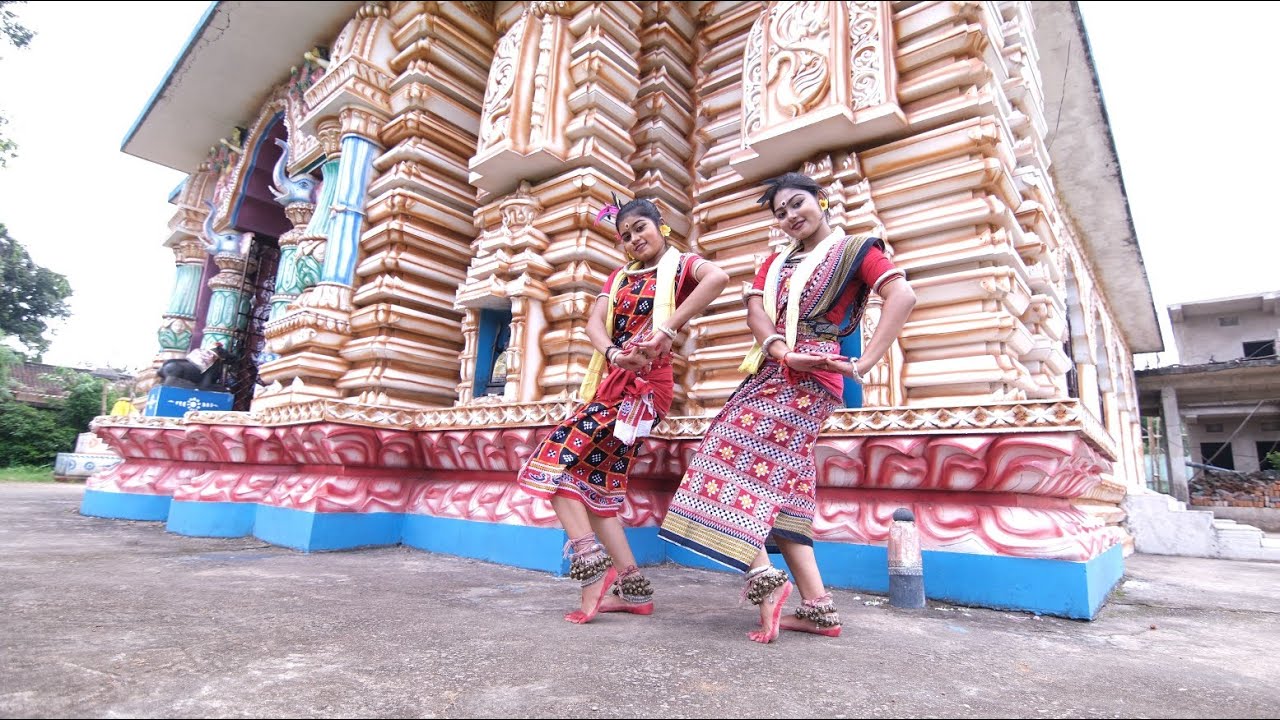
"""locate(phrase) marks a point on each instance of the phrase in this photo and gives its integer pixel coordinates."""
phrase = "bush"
(35, 436)
(32, 436)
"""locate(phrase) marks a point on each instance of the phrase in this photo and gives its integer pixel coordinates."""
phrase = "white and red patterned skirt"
(754, 474)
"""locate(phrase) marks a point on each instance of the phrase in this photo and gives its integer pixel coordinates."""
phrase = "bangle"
(783, 360)
(610, 352)
(860, 378)
(666, 331)
(770, 340)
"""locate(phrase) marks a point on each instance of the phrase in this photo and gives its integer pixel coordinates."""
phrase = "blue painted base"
(533, 548)
(211, 519)
(517, 545)
(1051, 587)
(125, 506)
(646, 546)
(316, 532)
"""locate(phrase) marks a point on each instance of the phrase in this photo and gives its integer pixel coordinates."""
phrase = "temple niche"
(400, 244)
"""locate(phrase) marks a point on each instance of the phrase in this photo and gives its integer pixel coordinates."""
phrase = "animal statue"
(199, 370)
(299, 188)
(228, 243)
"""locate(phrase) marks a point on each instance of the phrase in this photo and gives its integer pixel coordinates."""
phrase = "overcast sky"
(1189, 108)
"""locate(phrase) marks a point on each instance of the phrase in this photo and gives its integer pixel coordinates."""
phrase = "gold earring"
(665, 229)
(822, 203)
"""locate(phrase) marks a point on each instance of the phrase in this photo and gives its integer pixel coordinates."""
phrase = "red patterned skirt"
(581, 459)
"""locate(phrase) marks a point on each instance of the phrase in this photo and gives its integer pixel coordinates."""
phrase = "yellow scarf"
(799, 279)
(663, 306)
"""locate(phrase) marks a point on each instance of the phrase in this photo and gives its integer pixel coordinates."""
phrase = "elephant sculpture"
(228, 243)
(288, 190)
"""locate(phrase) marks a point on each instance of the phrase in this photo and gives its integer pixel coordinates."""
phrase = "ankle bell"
(762, 583)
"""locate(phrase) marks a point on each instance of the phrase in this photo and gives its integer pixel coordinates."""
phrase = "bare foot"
(771, 614)
(593, 596)
(791, 622)
(613, 603)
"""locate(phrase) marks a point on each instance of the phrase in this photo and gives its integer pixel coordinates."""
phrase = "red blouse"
(875, 271)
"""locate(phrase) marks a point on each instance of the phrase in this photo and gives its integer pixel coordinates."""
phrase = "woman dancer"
(582, 466)
(752, 479)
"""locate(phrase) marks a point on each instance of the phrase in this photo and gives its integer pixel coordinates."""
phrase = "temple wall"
(477, 141)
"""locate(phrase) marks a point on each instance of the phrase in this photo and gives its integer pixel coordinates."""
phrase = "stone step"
(1230, 526)
(1239, 527)
(1162, 525)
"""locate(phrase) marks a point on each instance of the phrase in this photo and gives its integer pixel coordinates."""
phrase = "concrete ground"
(109, 618)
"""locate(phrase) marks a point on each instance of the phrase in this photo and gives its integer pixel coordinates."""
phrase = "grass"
(27, 473)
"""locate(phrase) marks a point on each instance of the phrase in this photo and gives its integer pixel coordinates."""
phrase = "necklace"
(640, 271)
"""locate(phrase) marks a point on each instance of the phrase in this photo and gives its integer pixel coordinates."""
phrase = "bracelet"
(666, 331)
(861, 379)
(611, 352)
(770, 340)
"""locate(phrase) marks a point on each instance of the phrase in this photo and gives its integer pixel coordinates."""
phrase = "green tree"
(20, 37)
(8, 359)
(85, 398)
(30, 296)
(28, 436)
(8, 148)
(34, 436)
(17, 34)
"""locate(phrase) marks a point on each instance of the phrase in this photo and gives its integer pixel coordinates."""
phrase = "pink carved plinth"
(503, 450)
(645, 507)
(336, 492)
(990, 526)
(1003, 494)
(143, 477)
(1046, 464)
(499, 501)
(235, 484)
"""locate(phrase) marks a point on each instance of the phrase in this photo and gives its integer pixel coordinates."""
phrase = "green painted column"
(179, 320)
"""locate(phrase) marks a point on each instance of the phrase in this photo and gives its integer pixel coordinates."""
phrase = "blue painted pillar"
(851, 346)
(355, 170)
(305, 268)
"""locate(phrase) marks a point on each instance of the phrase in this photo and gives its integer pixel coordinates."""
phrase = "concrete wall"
(1243, 445)
(1203, 339)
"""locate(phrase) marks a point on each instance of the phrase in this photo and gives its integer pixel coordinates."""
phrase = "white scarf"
(799, 280)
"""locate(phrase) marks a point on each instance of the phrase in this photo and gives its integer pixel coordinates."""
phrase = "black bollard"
(906, 569)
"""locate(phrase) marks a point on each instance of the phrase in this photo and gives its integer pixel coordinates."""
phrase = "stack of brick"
(1259, 489)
